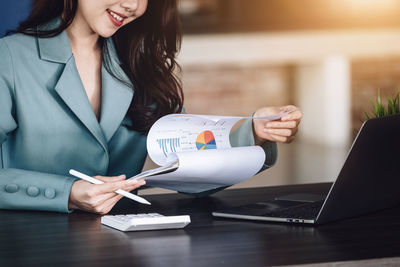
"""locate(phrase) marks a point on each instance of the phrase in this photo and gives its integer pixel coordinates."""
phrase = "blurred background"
(327, 57)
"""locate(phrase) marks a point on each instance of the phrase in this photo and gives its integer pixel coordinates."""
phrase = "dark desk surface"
(43, 238)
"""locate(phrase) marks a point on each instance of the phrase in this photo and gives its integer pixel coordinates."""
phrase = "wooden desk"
(51, 239)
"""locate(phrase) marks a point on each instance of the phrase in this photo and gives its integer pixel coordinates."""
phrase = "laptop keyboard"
(304, 211)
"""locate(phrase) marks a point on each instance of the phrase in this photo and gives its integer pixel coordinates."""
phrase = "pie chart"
(205, 140)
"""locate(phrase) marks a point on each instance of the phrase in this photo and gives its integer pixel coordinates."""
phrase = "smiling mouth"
(116, 19)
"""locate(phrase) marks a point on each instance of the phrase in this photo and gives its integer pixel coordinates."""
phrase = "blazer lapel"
(115, 101)
(116, 96)
(69, 87)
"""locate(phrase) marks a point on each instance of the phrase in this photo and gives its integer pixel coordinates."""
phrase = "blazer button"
(32, 191)
(50, 193)
(11, 188)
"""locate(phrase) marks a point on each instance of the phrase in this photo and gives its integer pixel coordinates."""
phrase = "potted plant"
(379, 109)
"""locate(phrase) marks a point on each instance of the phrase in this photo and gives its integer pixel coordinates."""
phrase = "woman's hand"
(100, 198)
(282, 130)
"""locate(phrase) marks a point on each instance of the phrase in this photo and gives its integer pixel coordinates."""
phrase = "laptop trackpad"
(280, 203)
(264, 207)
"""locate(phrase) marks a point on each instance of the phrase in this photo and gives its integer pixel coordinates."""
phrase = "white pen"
(119, 191)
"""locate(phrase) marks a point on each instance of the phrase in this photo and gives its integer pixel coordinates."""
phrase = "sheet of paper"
(200, 143)
(208, 169)
(186, 132)
(180, 133)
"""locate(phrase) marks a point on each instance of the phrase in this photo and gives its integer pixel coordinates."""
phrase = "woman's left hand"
(282, 130)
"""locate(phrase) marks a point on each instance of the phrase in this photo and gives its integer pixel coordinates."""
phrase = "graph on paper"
(169, 145)
(206, 140)
(180, 133)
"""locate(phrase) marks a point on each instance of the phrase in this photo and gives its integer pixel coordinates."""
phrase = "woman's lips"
(115, 18)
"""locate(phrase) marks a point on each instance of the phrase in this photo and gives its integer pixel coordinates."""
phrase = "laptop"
(368, 181)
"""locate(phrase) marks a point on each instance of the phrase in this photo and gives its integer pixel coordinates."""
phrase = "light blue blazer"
(47, 125)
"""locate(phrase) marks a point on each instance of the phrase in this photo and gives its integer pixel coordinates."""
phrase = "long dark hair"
(146, 48)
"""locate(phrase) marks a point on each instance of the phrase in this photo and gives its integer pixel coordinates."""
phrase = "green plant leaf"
(367, 116)
(378, 100)
(397, 103)
(380, 110)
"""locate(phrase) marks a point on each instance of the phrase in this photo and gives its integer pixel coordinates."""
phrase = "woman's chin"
(106, 31)
(106, 34)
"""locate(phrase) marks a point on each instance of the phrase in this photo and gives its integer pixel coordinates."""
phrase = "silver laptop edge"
(262, 218)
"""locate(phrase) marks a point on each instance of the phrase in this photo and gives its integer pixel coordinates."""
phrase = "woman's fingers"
(97, 198)
(110, 199)
(282, 139)
(108, 179)
(125, 184)
(127, 187)
(109, 204)
(102, 192)
(287, 108)
(295, 115)
(281, 124)
(282, 132)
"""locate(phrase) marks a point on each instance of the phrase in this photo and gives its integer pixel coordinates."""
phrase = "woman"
(81, 83)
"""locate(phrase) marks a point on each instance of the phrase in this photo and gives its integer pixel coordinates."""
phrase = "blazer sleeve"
(23, 189)
(244, 136)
